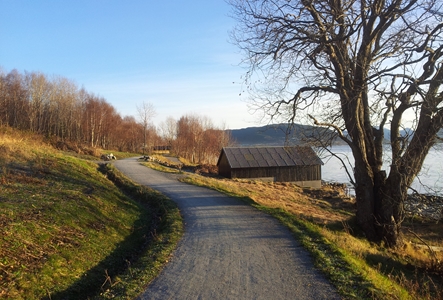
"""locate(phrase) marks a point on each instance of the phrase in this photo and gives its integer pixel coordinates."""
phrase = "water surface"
(430, 179)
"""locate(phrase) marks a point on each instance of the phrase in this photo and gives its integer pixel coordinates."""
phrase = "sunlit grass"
(165, 232)
(324, 224)
(67, 231)
(161, 168)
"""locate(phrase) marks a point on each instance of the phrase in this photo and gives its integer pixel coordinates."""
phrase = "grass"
(323, 221)
(69, 232)
(72, 230)
(165, 231)
(161, 168)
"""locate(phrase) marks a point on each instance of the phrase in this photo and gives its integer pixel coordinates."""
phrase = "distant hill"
(275, 135)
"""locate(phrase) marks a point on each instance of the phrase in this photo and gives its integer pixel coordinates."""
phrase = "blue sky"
(173, 54)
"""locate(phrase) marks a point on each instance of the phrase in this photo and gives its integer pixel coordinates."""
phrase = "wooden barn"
(298, 164)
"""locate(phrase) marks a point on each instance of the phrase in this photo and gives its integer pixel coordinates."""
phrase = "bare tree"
(146, 112)
(128, 135)
(188, 128)
(59, 109)
(168, 130)
(63, 100)
(38, 92)
(199, 140)
(3, 98)
(356, 67)
(15, 100)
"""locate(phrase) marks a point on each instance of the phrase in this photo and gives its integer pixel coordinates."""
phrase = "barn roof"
(262, 157)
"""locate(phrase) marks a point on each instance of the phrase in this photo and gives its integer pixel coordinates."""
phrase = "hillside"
(275, 135)
(66, 230)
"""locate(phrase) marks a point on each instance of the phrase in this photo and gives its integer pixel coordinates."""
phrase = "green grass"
(69, 232)
(166, 230)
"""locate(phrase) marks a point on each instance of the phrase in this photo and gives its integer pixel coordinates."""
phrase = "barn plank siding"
(280, 164)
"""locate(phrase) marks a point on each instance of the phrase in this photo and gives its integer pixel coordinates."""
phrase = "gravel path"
(229, 250)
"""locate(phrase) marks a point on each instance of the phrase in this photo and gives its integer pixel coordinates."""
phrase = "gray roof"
(261, 157)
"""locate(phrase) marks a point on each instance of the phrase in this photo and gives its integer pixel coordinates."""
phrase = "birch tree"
(145, 112)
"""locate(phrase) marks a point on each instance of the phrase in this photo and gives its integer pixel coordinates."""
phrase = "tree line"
(62, 111)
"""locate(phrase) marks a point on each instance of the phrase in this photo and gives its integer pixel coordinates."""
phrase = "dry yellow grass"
(330, 205)
(15, 144)
(322, 206)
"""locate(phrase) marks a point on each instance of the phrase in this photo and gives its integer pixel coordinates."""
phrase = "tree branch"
(336, 128)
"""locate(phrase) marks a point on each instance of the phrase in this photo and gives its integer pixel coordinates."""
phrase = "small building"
(297, 164)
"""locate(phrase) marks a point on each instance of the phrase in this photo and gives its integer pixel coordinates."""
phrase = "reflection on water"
(430, 177)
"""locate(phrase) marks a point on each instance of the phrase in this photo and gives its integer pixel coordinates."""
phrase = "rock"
(428, 206)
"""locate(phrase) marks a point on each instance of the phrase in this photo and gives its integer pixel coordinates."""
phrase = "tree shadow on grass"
(99, 278)
(419, 281)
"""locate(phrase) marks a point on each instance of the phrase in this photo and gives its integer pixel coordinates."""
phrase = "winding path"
(229, 250)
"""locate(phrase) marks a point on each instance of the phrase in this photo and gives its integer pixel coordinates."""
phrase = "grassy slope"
(67, 231)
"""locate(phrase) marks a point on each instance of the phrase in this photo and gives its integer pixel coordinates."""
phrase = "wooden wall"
(280, 174)
(223, 167)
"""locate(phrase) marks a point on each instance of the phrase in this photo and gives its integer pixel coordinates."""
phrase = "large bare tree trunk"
(389, 212)
(364, 193)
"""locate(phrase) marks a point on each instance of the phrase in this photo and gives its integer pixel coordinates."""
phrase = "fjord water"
(430, 179)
